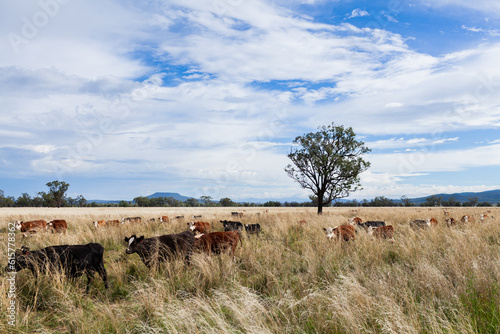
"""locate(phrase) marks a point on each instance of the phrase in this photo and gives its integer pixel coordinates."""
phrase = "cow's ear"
(324, 229)
(140, 238)
(25, 250)
(127, 239)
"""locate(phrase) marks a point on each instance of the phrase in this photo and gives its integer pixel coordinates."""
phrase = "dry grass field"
(290, 280)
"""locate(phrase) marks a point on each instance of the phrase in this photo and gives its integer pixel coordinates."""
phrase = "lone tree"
(57, 193)
(328, 163)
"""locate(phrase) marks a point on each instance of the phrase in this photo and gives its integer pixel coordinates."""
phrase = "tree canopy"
(328, 162)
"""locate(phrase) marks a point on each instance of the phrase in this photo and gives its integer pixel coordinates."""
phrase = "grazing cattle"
(371, 223)
(446, 213)
(344, 232)
(106, 223)
(151, 220)
(252, 229)
(179, 217)
(467, 219)
(154, 250)
(432, 222)
(451, 221)
(217, 242)
(199, 227)
(132, 220)
(420, 223)
(196, 216)
(232, 225)
(382, 232)
(237, 214)
(58, 225)
(71, 260)
(355, 221)
(164, 219)
(32, 226)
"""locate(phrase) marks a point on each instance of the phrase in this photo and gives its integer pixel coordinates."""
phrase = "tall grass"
(290, 280)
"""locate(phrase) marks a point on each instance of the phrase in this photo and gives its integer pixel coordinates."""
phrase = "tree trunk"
(320, 208)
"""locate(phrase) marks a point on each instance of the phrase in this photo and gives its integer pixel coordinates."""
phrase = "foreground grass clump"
(290, 280)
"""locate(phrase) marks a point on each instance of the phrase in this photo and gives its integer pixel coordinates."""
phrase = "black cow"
(71, 260)
(253, 229)
(232, 226)
(419, 223)
(370, 223)
(156, 249)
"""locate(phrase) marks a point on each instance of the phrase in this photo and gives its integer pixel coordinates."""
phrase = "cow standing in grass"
(217, 242)
(71, 260)
(161, 248)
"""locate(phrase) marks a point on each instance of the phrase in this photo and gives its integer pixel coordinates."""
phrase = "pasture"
(291, 279)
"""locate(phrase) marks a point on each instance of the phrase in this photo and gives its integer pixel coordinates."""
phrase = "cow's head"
(330, 232)
(20, 260)
(133, 242)
(191, 226)
(18, 225)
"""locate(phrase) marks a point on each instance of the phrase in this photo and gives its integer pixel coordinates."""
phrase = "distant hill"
(175, 196)
(491, 196)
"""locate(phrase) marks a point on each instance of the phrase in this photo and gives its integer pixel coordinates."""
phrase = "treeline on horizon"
(53, 198)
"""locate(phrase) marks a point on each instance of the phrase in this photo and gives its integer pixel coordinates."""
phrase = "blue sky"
(124, 99)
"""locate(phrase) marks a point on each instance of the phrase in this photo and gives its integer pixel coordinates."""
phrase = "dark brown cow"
(58, 225)
(346, 232)
(218, 242)
(32, 226)
(382, 232)
(199, 227)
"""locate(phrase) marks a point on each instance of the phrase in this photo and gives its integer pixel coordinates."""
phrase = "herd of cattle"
(77, 260)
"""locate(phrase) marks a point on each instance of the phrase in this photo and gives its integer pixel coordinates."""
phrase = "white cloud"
(358, 13)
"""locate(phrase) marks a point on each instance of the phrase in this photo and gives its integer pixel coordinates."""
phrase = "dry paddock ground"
(290, 280)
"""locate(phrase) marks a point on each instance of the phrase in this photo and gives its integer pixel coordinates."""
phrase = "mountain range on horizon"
(491, 196)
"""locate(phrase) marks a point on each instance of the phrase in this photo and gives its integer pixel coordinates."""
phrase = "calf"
(371, 223)
(382, 232)
(154, 250)
(467, 219)
(32, 226)
(164, 219)
(419, 223)
(199, 227)
(218, 242)
(355, 221)
(132, 220)
(58, 225)
(71, 260)
(432, 222)
(451, 222)
(106, 223)
(232, 225)
(252, 229)
(344, 232)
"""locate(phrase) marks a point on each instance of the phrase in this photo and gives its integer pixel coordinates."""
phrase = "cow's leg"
(102, 271)
(90, 278)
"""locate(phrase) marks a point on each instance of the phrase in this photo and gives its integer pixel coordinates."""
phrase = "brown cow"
(106, 223)
(451, 221)
(132, 220)
(355, 221)
(346, 232)
(58, 225)
(217, 242)
(164, 219)
(199, 227)
(32, 226)
(432, 221)
(382, 232)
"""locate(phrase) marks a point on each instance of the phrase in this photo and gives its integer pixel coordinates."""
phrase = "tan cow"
(346, 232)
(382, 232)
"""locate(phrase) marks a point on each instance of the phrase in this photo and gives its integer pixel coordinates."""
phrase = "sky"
(126, 98)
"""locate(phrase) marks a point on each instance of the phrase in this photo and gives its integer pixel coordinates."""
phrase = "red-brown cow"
(432, 221)
(199, 227)
(58, 225)
(106, 223)
(32, 226)
(355, 221)
(346, 232)
(218, 242)
(164, 219)
(382, 232)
